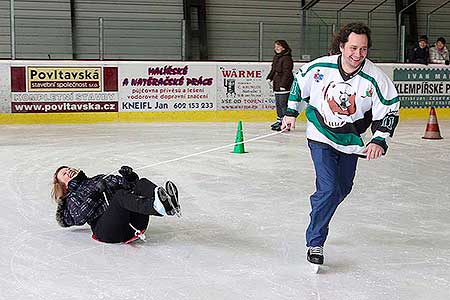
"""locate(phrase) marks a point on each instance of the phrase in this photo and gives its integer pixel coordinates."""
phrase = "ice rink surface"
(244, 217)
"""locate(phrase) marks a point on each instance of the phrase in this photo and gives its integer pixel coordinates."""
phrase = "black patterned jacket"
(83, 203)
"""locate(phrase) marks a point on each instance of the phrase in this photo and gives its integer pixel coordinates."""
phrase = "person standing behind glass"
(420, 54)
(280, 78)
(439, 53)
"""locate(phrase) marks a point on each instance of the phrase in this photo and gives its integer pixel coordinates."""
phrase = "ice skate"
(277, 123)
(172, 190)
(277, 128)
(315, 257)
(167, 200)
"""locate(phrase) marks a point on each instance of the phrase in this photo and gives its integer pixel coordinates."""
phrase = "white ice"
(244, 217)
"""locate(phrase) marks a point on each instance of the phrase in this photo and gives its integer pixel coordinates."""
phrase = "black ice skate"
(172, 190)
(315, 257)
(276, 124)
(164, 197)
(277, 128)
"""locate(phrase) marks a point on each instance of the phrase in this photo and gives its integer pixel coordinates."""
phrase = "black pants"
(126, 207)
(281, 101)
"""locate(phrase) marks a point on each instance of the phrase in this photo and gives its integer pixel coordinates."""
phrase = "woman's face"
(439, 45)
(278, 48)
(66, 174)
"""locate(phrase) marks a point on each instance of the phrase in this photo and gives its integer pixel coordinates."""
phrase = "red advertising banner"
(64, 89)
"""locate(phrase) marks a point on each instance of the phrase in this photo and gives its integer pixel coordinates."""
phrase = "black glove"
(128, 174)
(100, 186)
(447, 62)
(125, 171)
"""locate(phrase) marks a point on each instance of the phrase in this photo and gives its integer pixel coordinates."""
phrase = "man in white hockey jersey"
(343, 94)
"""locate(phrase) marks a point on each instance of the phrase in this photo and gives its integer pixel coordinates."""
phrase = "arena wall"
(35, 92)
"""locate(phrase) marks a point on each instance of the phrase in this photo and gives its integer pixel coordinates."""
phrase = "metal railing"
(432, 12)
(372, 10)
(12, 29)
(108, 38)
(401, 33)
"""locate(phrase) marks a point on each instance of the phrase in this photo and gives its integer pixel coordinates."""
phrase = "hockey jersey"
(339, 111)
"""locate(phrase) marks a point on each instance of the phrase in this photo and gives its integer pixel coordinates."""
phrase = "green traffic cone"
(239, 148)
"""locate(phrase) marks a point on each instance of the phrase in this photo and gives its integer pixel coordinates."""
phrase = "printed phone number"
(193, 105)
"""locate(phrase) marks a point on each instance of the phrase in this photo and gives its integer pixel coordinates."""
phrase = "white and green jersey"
(338, 111)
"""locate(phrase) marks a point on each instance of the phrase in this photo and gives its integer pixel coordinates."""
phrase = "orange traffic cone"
(432, 131)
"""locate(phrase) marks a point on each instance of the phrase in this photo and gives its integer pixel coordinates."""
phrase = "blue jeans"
(335, 172)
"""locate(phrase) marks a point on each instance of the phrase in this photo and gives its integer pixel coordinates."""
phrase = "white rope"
(204, 152)
(137, 233)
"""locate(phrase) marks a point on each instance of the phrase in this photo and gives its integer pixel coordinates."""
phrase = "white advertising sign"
(167, 86)
(244, 87)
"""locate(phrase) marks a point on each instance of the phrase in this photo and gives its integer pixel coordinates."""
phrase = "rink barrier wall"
(217, 116)
(45, 92)
(87, 118)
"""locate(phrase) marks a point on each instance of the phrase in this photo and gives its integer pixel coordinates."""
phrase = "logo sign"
(420, 88)
(68, 79)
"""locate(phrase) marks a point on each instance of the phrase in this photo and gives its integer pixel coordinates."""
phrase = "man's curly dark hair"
(358, 28)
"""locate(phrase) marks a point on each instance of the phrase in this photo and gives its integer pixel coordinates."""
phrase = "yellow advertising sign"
(64, 79)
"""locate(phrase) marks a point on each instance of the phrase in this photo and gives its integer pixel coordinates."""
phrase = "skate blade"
(315, 268)
(177, 210)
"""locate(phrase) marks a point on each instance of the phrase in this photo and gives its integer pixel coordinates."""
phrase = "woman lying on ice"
(117, 208)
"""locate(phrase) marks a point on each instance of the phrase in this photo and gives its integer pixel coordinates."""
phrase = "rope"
(205, 151)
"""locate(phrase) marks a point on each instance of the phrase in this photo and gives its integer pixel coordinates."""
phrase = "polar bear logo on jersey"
(339, 104)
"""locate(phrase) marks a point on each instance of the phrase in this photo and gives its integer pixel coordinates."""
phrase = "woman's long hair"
(285, 45)
(59, 189)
